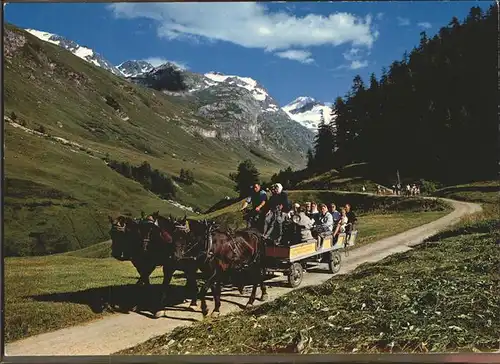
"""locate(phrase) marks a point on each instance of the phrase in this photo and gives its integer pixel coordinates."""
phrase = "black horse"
(186, 253)
(126, 246)
(228, 255)
(147, 245)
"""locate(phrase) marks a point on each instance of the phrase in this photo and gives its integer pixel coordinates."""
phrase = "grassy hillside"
(348, 178)
(361, 204)
(65, 116)
(353, 177)
(52, 292)
(440, 296)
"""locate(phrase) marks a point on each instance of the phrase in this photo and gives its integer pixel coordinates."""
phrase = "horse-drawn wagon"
(293, 259)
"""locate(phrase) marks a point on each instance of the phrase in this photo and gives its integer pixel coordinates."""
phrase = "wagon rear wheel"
(334, 262)
(296, 275)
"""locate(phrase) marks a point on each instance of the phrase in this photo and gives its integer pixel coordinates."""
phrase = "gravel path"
(120, 331)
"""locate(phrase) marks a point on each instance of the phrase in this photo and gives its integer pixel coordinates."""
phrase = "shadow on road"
(142, 300)
(121, 299)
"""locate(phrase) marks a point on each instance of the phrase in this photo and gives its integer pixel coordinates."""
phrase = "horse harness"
(236, 249)
(190, 247)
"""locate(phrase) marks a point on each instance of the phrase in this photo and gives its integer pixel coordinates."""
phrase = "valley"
(89, 142)
(67, 111)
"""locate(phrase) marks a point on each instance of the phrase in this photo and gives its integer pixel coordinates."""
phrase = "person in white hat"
(277, 207)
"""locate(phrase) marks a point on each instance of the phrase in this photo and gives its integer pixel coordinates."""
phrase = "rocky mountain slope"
(134, 68)
(84, 53)
(65, 117)
(309, 112)
(239, 107)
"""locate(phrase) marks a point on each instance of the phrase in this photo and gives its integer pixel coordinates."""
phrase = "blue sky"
(293, 49)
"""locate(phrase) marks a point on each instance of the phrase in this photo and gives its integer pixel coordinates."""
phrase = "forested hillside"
(432, 114)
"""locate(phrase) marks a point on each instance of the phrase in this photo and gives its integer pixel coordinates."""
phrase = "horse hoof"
(264, 297)
(215, 314)
(248, 306)
(134, 309)
(193, 304)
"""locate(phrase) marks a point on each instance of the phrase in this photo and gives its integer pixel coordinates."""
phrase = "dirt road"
(121, 331)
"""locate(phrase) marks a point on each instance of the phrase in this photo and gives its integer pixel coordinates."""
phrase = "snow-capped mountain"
(258, 92)
(309, 112)
(239, 107)
(134, 68)
(84, 53)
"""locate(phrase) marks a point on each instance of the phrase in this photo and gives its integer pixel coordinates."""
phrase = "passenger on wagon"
(342, 224)
(305, 224)
(295, 210)
(314, 213)
(308, 207)
(352, 219)
(335, 214)
(258, 199)
(277, 206)
(325, 220)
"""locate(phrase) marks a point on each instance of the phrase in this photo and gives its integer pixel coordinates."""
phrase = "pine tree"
(428, 108)
(340, 135)
(246, 176)
(310, 159)
(324, 148)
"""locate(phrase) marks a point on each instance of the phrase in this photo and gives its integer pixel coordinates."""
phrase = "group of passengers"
(268, 215)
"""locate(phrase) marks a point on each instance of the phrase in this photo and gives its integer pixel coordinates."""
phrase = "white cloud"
(355, 56)
(425, 25)
(158, 61)
(296, 55)
(358, 64)
(380, 16)
(352, 54)
(251, 25)
(403, 21)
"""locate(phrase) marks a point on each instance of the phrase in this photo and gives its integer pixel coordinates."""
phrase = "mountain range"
(69, 112)
(306, 111)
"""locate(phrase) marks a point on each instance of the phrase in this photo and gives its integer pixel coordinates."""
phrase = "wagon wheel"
(296, 275)
(334, 262)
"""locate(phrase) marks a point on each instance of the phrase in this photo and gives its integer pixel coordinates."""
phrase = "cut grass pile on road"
(52, 292)
(440, 296)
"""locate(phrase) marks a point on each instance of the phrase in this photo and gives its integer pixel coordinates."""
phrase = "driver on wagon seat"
(258, 199)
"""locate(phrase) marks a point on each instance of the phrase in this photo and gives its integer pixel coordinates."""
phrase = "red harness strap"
(166, 236)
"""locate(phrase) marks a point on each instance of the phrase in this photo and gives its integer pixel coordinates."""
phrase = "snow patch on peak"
(299, 103)
(248, 83)
(309, 112)
(84, 53)
(133, 68)
(45, 36)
